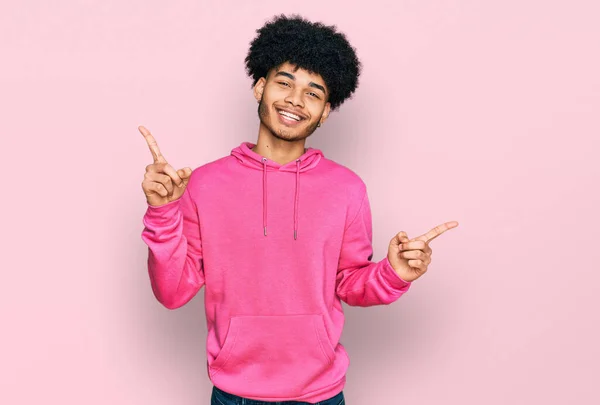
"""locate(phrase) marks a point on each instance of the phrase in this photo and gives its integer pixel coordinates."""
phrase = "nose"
(294, 97)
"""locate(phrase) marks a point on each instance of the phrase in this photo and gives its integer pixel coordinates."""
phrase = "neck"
(276, 149)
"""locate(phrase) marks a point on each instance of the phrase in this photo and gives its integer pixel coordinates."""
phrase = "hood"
(309, 160)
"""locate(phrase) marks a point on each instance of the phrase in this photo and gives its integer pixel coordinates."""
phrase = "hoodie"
(278, 247)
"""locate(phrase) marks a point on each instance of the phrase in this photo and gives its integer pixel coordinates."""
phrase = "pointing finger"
(158, 157)
(437, 231)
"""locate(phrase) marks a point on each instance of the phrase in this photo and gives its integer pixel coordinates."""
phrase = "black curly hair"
(313, 46)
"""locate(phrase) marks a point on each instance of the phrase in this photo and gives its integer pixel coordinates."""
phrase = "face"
(292, 102)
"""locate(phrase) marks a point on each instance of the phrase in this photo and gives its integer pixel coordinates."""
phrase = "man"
(277, 233)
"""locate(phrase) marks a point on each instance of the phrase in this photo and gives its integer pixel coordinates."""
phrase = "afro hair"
(313, 46)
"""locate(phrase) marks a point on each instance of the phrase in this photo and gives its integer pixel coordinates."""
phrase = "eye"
(284, 83)
(314, 95)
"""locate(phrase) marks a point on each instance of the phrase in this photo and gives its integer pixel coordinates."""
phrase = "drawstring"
(296, 197)
(264, 160)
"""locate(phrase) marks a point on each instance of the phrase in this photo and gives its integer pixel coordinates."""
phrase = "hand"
(162, 184)
(410, 258)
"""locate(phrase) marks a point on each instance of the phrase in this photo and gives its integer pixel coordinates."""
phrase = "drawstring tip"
(265, 231)
(295, 234)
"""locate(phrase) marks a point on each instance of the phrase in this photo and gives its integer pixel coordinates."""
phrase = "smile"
(289, 116)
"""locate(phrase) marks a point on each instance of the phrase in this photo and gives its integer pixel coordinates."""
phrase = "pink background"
(483, 112)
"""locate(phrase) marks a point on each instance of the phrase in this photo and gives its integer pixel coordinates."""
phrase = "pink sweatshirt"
(278, 248)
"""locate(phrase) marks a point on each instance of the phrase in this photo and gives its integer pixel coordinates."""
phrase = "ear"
(326, 111)
(259, 87)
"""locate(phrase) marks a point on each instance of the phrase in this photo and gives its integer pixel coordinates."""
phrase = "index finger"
(437, 231)
(158, 157)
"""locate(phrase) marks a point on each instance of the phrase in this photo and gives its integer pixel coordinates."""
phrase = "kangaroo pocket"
(273, 355)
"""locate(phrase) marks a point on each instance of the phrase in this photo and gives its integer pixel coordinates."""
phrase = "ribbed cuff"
(163, 212)
(390, 275)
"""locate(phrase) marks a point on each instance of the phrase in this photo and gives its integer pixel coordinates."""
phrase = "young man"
(277, 233)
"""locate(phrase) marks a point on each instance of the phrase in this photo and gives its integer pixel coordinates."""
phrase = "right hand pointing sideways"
(162, 184)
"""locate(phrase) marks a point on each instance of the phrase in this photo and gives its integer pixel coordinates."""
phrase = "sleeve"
(175, 267)
(359, 281)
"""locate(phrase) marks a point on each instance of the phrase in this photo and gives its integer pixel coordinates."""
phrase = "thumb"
(401, 237)
(185, 175)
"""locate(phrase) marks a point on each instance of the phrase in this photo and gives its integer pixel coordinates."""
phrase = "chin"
(286, 133)
(287, 136)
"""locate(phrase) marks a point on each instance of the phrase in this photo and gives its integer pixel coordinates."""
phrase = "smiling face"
(291, 103)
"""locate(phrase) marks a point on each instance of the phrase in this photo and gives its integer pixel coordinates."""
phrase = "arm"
(361, 282)
(172, 233)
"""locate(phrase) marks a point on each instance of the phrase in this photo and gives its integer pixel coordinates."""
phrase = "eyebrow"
(311, 84)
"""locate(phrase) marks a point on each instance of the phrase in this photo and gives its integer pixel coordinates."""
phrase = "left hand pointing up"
(410, 258)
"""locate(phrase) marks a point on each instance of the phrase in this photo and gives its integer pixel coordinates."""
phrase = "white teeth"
(287, 114)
